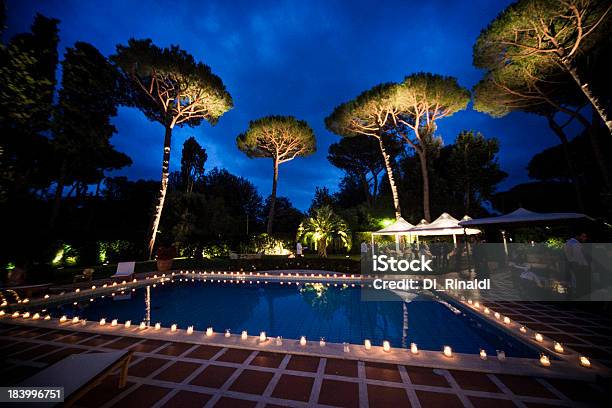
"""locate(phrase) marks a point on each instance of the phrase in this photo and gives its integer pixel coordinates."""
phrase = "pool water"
(316, 311)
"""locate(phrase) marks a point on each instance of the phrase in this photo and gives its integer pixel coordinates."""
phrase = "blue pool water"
(334, 313)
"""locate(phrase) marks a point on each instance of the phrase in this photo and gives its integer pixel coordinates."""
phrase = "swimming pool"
(315, 310)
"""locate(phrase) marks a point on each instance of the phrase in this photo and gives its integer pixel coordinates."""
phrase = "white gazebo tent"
(444, 225)
(400, 227)
(522, 216)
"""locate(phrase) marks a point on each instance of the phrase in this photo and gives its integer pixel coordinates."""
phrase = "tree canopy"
(169, 86)
(538, 38)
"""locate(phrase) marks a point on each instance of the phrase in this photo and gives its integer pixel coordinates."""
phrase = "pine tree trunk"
(570, 165)
(366, 188)
(272, 198)
(586, 90)
(425, 175)
(59, 191)
(375, 188)
(387, 160)
(157, 211)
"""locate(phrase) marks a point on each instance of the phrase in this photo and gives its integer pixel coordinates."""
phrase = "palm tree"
(322, 228)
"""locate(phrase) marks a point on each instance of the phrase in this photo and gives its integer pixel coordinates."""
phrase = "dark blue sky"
(298, 58)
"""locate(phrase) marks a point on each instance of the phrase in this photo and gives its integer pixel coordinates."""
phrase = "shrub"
(215, 251)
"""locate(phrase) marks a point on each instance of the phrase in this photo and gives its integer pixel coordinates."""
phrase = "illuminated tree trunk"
(387, 159)
(272, 198)
(157, 211)
(423, 160)
(586, 90)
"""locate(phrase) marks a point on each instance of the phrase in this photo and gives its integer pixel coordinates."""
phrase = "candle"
(35, 317)
(322, 342)
(75, 319)
(544, 360)
(128, 324)
(497, 315)
(367, 344)
(279, 341)
(77, 290)
(539, 337)
(243, 336)
(15, 314)
(558, 347)
(209, 331)
(486, 310)
(173, 327)
(585, 362)
(114, 322)
(413, 348)
(142, 326)
(157, 326)
(506, 320)
(48, 317)
(386, 346)
(102, 322)
(227, 333)
(46, 296)
(345, 347)
(470, 301)
(262, 336)
(63, 319)
(26, 315)
(523, 329)
(189, 329)
(302, 341)
(483, 354)
(501, 355)
(448, 351)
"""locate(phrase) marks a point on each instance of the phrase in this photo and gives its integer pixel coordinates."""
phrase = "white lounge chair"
(79, 373)
(124, 270)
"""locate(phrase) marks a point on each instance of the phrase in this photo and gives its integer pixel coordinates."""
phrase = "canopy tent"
(444, 225)
(399, 228)
(522, 216)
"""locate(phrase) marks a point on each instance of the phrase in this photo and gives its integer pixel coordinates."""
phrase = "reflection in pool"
(312, 310)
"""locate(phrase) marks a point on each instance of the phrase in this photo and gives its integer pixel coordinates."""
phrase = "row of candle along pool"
(538, 337)
(241, 276)
(263, 338)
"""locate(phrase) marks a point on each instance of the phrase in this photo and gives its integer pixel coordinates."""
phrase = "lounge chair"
(79, 373)
(125, 270)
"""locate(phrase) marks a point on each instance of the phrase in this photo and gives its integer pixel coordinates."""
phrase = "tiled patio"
(585, 332)
(173, 374)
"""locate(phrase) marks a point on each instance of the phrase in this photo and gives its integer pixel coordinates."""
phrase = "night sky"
(298, 58)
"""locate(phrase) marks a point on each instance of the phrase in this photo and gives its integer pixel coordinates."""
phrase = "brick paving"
(174, 374)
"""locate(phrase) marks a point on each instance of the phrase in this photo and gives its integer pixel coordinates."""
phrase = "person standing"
(578, 265)
(298, 249)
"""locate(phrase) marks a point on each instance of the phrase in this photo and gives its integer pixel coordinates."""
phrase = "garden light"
(585, 362)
